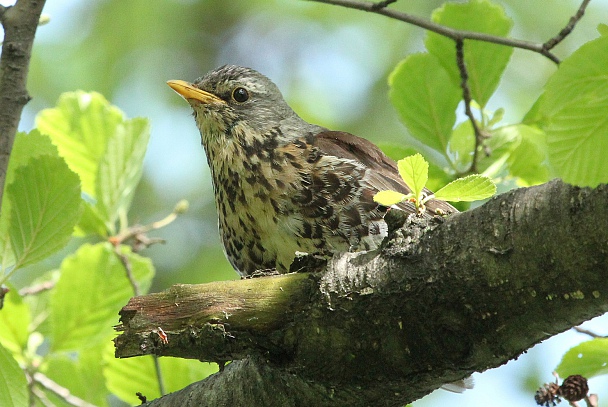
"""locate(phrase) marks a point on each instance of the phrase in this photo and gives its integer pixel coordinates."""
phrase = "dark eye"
(240, 95)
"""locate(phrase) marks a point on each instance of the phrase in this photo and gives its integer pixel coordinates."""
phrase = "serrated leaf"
(588, 359)
(91, 290)
(425, 98)
(415, 172)
(25, 147)
(574, 108)
(45, 206)
(485, 62)
(470, 188)
(389, 198)
(13, 384)
(125, 377)
(14, 322)
(80, 126)
(120, 169)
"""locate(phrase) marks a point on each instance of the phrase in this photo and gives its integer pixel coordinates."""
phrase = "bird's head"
(233, 98)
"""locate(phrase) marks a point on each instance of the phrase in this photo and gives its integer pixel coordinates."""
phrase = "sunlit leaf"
(389, 198)
(485, 62)
(45, 206)
(573, 109)
(415, 172)
(91, 290)
(461, 146)
(80, 373)
(13, 384)
(14, 322)
(120, 168)
(470, 188)
(25, 147)
(125, 377)
(425, 98)
(80, 126)
(528, 160)
(588, 359)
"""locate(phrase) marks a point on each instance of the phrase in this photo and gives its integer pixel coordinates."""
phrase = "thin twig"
(587, 332)
(382, 4)
(60, 391)
(466, 95)
(129, 270)
(443, 30)
(37, 289)
(550, 44)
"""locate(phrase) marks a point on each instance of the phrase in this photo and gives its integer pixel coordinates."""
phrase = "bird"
(284, 186)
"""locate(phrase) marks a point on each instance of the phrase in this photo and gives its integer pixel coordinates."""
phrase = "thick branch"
(19, 22)
(385, 328)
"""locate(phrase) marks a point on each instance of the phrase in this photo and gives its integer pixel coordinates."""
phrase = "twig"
(466, 95)
(129, 270)
(20, 23)
(550, 44)
(587, 332)
(60, 391)
(382, 4)
(37, 289)
(443, 30)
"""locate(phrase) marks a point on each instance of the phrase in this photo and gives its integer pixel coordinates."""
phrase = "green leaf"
(588, 359)
(80, 372)
(90, 222)
(120, 169)
(125, 377)
(425, 98)
(602, 29)
(415, 172)
(91, 290)
(389, 198)
(45, 206)
(485, 62)
(461, 146)
(81, 126)
(13, 385)
(574, 108)
(501, 143)
(14, 322)
(528, 159)
(470, 188)
(25, 147)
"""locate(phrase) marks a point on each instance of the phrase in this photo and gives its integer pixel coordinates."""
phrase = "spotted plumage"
(283, 185)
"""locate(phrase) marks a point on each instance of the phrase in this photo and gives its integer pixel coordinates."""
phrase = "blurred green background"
(332, 65)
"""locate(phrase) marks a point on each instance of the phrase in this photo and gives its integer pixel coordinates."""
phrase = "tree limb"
(387, 327)
(19, 22)
(449, 32)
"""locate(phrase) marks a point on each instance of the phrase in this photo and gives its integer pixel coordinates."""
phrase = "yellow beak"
(191, 92)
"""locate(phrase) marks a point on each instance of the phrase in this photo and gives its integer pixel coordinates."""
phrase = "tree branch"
(19, 22)
(443, 30)
(551, 43)
(431, 307)
(466, 96)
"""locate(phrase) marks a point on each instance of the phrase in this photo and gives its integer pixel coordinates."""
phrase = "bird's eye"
(240, 95)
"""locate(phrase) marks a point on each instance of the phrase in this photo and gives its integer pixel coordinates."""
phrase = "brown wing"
(384, 174)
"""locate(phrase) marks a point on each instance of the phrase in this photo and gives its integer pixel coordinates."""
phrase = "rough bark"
(19, 22)
(387, 327)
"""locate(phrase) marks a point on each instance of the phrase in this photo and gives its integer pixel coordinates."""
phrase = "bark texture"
(387, 327)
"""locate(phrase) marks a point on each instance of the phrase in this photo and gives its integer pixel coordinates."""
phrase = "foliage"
(73, 180)
(415, 173)
(83, 154)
